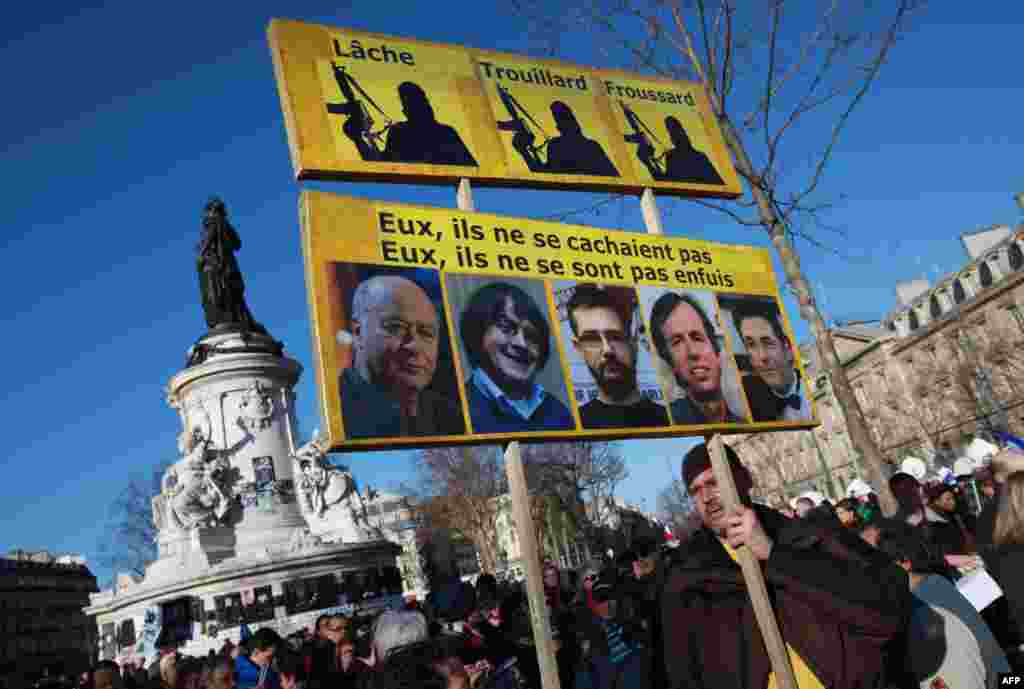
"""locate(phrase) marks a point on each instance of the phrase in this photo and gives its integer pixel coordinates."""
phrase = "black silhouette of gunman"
(571, 152)
(684, 163)
(421, 138)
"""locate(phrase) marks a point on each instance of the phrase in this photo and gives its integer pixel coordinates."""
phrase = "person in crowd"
(106, 675)
(846, 511)
(350, 668)
(508, 342)
(802, 506)
(85, 680)
(948, 523)
(601, 319)
(405, 656)
(255, 669)
(685, 339)
(290, 670)
(396, 628)
(220, 674)
(396, 333)
(840, 602)
(190, 673)
(948, 643)
(557, 599)
(325, 654)
(1005, 556)
(614, 656)
(939, 535)
(773, 387)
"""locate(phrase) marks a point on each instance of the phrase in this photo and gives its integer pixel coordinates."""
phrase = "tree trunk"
(860, 434)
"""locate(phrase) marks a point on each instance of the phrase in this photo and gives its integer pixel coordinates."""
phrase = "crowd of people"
(863, 602)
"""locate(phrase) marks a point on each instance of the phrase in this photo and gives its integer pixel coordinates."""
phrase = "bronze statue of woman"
(220, 280)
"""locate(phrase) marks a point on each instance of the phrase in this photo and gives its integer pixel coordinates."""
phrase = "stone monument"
(244, 508)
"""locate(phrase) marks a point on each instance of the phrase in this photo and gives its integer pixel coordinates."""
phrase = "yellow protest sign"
(370, 106)
(439, 326)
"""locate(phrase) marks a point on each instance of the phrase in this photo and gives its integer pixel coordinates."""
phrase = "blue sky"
(122, 118)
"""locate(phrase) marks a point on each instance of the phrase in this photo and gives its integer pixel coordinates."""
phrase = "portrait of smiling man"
(508, 343)
(773, 386)
(601, 320)
(685, 339)
(396, 334)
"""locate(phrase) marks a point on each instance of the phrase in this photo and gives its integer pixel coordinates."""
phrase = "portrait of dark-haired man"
(772, 384)
(686, 339)
(507, 342)
(603, 335)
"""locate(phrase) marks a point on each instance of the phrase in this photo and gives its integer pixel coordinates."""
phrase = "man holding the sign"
(396, 333)
(685, 339)
(839, 602)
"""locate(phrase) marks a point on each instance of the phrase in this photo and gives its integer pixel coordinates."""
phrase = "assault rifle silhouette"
(524, 138)
(645, 150)
(359, 125)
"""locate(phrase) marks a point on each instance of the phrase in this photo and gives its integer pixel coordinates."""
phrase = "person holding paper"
(1005, 556)
(947, 639)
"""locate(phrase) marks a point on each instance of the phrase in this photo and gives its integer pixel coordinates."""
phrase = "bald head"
(395, 334)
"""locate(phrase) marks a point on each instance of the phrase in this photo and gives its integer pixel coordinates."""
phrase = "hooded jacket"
(839, 603)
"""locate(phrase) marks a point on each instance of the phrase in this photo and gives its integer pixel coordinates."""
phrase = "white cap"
(915, 467)
(979, 450)
(963, 467)
(858, 488)
(812, 495)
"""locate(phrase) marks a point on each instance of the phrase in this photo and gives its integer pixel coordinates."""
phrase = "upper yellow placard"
(369, 106)
(439, 326)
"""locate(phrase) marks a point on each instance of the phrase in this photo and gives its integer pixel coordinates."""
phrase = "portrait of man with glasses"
(396, 333)
(601, 320)
(508, 346)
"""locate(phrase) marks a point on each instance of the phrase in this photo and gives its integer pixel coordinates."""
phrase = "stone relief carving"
(256, 409)
(195, 490)
(330, 492)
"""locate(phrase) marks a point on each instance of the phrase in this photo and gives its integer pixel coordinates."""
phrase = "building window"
(986, 274)
(1016, 256)
(913, 320)
(933, 305)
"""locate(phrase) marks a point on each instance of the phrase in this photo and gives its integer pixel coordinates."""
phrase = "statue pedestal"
(238, 395)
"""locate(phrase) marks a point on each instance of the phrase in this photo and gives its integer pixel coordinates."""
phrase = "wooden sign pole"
(752, 574)
(529, 553)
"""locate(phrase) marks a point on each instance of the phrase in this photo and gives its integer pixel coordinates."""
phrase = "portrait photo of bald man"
(398, 378)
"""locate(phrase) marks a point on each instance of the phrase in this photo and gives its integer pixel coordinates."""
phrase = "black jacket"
(839, 603)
